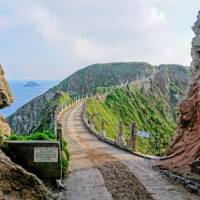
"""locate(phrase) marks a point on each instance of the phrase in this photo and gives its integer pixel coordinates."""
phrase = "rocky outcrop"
(185, 149)
(5, 94)
(5, 100)
(15, 182)
(26, 118)
(4, 127)
(172, 80)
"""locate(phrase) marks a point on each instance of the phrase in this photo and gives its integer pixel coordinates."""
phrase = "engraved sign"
(45, 154)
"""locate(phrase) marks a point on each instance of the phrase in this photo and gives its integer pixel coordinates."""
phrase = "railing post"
(120, 141)
(85, 105)
(101, 133)
(59, 133)
(55, 113)
(132, 141)
(92, 120)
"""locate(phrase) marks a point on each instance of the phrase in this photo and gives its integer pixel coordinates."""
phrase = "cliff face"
(5, 94)
(26, 118)
(172, 80)
(15, 182)
(185, 149)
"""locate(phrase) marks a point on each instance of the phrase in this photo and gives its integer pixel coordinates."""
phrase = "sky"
(51, 39)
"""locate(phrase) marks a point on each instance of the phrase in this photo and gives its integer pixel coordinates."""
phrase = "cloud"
(67, 34)
(48, 25)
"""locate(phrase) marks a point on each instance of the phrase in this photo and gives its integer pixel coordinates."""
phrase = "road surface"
(99, 171)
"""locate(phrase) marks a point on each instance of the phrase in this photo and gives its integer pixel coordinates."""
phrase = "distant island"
(31, 84)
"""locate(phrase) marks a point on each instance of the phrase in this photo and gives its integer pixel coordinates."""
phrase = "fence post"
(59, 133)
(101, 133)
(92, 121)
(55, 113)
(120, 141)
(85, 105)
(132, 137)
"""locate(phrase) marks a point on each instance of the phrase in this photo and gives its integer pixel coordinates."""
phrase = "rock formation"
(5, 100)
(185, 149)
(15, 182)
(5, 94)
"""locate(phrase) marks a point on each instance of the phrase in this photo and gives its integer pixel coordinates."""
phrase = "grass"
(45, 117)
(46, 135)
(148, 110)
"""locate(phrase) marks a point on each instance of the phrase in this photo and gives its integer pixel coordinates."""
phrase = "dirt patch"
(119, 180)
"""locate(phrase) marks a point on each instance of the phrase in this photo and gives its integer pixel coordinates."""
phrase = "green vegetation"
(65, 157)
(148, 109)
(45, 119)
(46, 135)
(103, 75)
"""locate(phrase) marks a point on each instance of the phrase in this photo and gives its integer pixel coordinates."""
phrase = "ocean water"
(23, 94)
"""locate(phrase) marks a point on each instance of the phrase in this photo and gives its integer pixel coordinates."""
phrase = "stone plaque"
(45, 154)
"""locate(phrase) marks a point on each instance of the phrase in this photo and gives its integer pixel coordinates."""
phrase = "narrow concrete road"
(98, 171)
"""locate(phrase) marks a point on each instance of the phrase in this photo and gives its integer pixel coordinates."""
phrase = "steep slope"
(24, 120)
(150, 103)
(148, 109)
(15, 182)
(185, 149)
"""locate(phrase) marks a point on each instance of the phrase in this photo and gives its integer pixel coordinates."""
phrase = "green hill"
(147, 109)
(171, 79)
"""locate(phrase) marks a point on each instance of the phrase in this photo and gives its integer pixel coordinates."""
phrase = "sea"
(23, 94)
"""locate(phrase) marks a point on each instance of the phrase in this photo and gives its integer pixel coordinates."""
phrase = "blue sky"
(48, 39)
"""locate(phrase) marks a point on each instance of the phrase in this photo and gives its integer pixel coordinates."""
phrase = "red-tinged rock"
(184, 151)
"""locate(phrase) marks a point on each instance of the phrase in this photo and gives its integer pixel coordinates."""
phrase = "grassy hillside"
(172, 80)
(148, 109)
(45, 119)
(103, 75)
(28, 118)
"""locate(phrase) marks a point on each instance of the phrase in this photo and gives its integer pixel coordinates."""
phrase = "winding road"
(99, 171)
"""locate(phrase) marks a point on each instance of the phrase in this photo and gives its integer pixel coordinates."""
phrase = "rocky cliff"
(15, 182)
(5, 100)
(185, 149)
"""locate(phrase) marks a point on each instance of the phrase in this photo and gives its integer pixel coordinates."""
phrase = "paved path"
(99, 171)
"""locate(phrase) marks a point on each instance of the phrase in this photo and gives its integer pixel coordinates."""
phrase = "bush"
(46, 135)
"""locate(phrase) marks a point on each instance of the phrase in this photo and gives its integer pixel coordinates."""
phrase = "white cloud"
(156, 16)
(48, 25)
(4, 23)
(88, 31)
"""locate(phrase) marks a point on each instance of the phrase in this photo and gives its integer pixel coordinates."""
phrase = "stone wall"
(31, 155)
